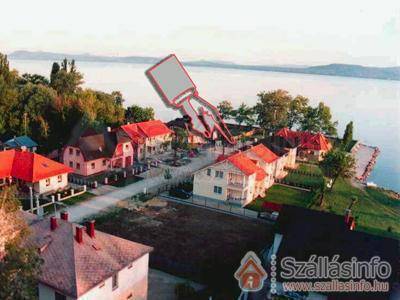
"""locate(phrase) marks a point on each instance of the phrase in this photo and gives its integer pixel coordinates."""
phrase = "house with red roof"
(148, 138)
(28, 169)
(271, 163)
(310, 146)
(94, 153)
(237, 179)
(80, 262)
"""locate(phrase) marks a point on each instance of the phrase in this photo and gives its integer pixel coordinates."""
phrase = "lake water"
(373, 105)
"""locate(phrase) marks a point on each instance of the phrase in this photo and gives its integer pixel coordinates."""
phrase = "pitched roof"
(305, 139)
(246, 165)
(75, 268)
(264, 153)
(94, 146)
(317, 142)
(21, 141)
(28, 166)
(146, 129)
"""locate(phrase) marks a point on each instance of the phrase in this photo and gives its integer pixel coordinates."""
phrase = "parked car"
(180, 193)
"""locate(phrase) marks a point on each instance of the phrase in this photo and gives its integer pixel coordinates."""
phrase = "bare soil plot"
(191, 242)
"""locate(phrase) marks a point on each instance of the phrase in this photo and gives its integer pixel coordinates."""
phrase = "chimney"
(90, 228)
(108, 129)
(64, 216)
(79, 234)
(53, 223)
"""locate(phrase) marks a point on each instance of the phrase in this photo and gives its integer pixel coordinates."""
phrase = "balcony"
(236, 184)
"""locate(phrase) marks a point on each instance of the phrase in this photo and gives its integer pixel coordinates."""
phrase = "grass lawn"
(284, 195)
(376, 210)
(305, 180)
(309, 168)
(77, 199)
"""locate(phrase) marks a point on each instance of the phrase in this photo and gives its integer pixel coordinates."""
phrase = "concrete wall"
(41, 187)
(131, 280)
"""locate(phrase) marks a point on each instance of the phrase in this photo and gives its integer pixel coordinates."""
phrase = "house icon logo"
(250, 274)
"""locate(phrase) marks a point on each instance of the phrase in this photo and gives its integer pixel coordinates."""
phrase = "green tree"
(54, 71)
(225, 109)
(8, 95)
(179, 141)
(348, 135)
(272, 110)
(244, 114)
(337, 163)
(65, 82)
(297, 108)
(319, 119)
(20, 264)
(34, 79)
(136, 113)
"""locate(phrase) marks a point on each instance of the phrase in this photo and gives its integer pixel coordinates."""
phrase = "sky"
(280, 32)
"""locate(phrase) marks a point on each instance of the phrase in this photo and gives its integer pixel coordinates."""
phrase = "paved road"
(99, 203)
(162, 285)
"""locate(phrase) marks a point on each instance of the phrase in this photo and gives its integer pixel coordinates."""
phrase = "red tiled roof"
(317, 142)
(306, 139)
(264, 153)
(246, 165)
(146, 129)
(28, 166)
(75, 268)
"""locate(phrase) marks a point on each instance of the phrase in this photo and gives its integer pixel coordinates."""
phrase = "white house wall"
(41, 187)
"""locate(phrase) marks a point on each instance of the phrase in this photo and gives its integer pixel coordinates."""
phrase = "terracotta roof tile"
(246, 165)
(146, 129)
(28, 166)
(264, 153)
(75, 268)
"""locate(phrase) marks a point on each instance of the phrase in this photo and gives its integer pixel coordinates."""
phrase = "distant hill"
(389, 73)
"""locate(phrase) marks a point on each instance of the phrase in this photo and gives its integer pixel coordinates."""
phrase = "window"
(208, 172)
(58, 296)
(115, 281)
(71, 164)
(59, 178)
(93, 165)
(219, 174)
(78, 152)
(104, 162)
(71, 151)
(2, 180)
(217, 189)
(78, 166)
(126, 146)
(47, 181)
